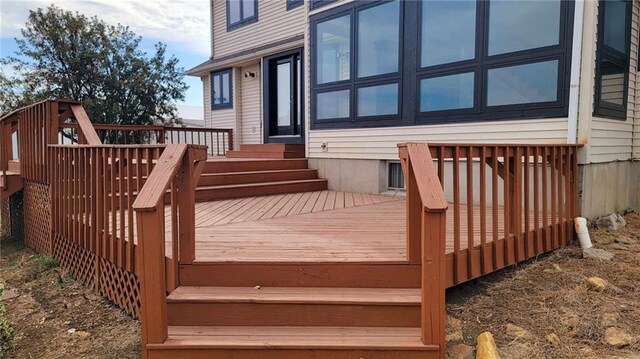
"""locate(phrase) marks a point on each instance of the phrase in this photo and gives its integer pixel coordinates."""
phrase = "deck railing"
(179, 168)
(507, 203)
(218, 140)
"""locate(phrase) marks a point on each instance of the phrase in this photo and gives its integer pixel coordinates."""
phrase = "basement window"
(395, 177)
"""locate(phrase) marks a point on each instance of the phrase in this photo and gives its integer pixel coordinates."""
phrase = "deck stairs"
(295, 310)
(258, 170)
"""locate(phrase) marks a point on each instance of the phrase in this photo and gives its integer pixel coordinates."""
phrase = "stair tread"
(380, 338)
(226, 159)
(261, 184)
(371, 296)
(258, 172)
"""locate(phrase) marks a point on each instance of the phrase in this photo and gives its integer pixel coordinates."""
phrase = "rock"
(572, 323)
(618, 246)
(596, 284)
(516, 331)
(611, 222)
(624, 240)
(597, 253)
(609, 319)
(556, 268)
(72, 330)
(454, 329)
(618, 338)
(82, 334)
(461, 351)
(553, 339)
(486, 347)
(9, 294)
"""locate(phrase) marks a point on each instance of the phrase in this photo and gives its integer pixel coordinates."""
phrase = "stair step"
(271, 306)
(214, 179)
(292, 342)
(259, 189)
(246, 165)
(261, 154)
(273, 147)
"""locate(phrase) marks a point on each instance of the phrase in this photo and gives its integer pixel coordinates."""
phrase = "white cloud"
(181, 23)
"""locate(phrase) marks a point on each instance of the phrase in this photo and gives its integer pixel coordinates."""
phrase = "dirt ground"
(54, 317)
(551, 295)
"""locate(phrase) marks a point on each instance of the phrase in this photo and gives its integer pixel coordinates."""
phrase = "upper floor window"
(318, 3)
(241, 12)
(222, 89)
(292, 4)
(463, 60)
(612, 60)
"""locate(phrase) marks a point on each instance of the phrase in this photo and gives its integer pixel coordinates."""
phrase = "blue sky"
(181, 24)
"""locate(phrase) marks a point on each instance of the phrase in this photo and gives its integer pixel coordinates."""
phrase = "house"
(352, 79)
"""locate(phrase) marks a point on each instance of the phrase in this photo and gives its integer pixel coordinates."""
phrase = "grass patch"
(6, 332)
(46, 262)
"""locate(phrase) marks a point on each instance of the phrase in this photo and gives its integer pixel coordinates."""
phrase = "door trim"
(267, 137)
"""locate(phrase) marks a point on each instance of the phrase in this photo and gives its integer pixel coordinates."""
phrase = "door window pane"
(378, 39)
(447, 92)
(378, 100)
(530, 83)
(523, 25)
(284, 94)
(612, 83)
(333, 49)
(614, 24)
(332, 104)
(448, 32)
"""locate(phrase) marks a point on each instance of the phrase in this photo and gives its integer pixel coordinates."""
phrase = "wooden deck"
(324, 226)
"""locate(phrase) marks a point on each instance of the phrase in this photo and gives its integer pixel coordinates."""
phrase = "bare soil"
(55, 317)
(550, 295)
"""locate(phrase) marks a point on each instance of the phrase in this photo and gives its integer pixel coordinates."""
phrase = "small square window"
(221, 89)
(241, 12)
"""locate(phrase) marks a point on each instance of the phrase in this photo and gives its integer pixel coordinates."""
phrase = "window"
(292, 4)
(612, 60)
(463, 60)
(364, 87)
(241, 12)
(318, 3)
(221, 89)
(395, 177)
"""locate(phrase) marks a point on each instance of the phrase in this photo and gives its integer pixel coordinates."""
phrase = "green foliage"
(6, 332)
(46, 262)
(67, 55)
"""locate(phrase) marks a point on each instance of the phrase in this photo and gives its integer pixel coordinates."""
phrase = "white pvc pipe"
(574, 86)
(583, 232)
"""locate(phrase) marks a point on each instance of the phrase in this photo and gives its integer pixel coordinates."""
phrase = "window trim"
(293, 4)
(315, 4)
(243, 22)
(410, 72)
(603, 108)
(223, 106)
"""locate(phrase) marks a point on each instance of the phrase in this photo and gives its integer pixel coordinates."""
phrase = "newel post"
(433, 278)
(151, 254)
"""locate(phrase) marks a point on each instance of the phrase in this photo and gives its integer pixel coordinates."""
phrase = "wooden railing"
(92, 192)
(506, 202)
(218, 141)
(179, 168)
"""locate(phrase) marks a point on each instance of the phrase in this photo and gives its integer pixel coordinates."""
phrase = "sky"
(183, 25)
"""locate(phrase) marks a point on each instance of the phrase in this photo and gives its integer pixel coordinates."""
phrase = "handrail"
(88, 132)
(429, 187)
(179, 168)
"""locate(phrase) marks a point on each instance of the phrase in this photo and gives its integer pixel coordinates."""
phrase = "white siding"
(275, 23)
(381, 143)
(251, 104)
(612, 140)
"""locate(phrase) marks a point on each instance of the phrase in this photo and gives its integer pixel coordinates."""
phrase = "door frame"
(267, 137)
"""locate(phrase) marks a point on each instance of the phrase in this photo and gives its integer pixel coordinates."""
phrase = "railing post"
(186, 210)
(433, 308)
(230, 140)
(414, 208)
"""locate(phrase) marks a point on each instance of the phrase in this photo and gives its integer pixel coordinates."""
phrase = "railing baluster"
(484, 267)
(470, 211)
(457, 264)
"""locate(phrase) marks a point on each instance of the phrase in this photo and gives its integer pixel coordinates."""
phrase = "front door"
(283, 98)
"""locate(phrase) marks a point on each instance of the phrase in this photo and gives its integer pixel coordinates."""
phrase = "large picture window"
(221, 89)
(433, 61)
(612, 60)
(241, 12)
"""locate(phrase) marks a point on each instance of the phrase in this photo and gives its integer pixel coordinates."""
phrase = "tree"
(67, 55)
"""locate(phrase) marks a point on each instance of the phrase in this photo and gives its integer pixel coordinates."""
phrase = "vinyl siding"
(219, 118)
(381, 143)
(251, 104)
(274, 24)
(612, 140)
